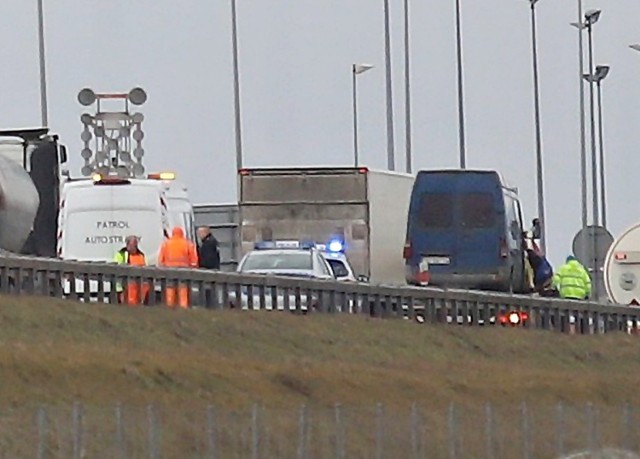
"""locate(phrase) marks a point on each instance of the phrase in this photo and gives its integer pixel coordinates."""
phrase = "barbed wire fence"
(487, 431)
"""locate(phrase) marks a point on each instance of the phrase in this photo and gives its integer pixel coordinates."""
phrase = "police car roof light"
(335, 246)
(270, 245)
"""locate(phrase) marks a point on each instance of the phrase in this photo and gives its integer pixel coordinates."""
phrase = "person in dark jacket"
(208, 252)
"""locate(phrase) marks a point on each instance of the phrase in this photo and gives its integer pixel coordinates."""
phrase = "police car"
(282, 258)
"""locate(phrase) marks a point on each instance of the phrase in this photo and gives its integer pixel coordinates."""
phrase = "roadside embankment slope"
(58, 352)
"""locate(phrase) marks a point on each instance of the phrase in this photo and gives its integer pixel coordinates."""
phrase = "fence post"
(121, 441)
(560, 429)
(77, 431)
(340, 435)
(42, 432)
(592, 428)
(628, 427)
(302, 433)
(211, 431)
(154, 450)
(526, 434)
(491, 453)
(255, 434)
(453, 432)
(379, 431)
(414, 430)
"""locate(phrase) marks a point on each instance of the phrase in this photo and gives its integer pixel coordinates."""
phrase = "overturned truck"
(30, 176)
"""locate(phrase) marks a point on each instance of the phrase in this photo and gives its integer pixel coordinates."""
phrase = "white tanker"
(19, 203)
(622, 268)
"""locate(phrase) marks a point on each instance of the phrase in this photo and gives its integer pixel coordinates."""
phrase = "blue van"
(465, 230)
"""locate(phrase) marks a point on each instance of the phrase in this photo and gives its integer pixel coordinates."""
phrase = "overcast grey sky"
(295, 58)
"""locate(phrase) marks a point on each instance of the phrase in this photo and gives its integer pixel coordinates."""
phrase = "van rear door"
(478, 229)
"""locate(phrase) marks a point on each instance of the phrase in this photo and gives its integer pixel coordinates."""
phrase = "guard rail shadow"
(101, 282)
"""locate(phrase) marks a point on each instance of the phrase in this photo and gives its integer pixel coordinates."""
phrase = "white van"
(97, 215)
(179, 206)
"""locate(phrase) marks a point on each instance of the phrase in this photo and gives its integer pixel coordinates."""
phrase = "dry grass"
(58, 352)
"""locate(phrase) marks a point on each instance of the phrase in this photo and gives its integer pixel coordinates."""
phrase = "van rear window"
(436, 210)
(473, 210)
(476, 210)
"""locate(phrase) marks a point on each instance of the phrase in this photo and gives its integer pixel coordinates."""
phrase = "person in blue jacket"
(543, 273)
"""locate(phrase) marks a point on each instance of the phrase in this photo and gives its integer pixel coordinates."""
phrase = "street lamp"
(635, 47)
(536, 99)
(236, 85)
(407, 94)
(600, 74)
(461, 130)
(590, 18)
(356, 69)
(391, 160)
(43, 74)
(583, 141)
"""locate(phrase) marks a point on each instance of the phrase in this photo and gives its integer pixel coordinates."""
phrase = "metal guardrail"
(217, 290)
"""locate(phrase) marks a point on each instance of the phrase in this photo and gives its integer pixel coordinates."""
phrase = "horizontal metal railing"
(101, 282)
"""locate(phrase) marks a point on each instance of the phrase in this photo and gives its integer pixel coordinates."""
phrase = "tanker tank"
(19, 203)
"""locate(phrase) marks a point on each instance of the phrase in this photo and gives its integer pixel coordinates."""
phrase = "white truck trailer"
(365, 209)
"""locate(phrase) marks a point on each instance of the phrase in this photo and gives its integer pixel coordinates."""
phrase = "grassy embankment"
(57, 352)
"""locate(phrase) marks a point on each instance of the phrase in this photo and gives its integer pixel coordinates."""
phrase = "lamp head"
(592, 16)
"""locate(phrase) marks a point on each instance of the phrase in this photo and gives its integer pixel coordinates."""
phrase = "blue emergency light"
(335, 246)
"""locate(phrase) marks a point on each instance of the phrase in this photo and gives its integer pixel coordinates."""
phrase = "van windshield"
(474, 210)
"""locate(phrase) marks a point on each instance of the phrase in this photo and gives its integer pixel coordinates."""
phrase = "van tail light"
(407, 253)
(504, 249)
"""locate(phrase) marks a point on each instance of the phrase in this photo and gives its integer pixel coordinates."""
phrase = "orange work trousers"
(183, 297)
(132, 294)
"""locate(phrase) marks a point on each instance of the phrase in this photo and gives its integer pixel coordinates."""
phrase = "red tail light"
(407, 253)
(504, 249)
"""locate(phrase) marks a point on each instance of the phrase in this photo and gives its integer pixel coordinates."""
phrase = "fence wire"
(377, 431)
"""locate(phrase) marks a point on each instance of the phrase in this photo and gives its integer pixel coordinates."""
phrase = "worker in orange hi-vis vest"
(178, 252)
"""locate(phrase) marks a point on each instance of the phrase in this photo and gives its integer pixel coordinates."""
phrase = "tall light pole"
(356, 69)
(407, 91)
(590, 18)
(391, 160)
(43, 70)
(536, 100)
(461, 133)
(583, 137)
(600, 74)
(236, 85)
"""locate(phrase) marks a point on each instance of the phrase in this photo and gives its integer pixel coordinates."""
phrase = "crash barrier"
(217, 290)
(491, 431)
